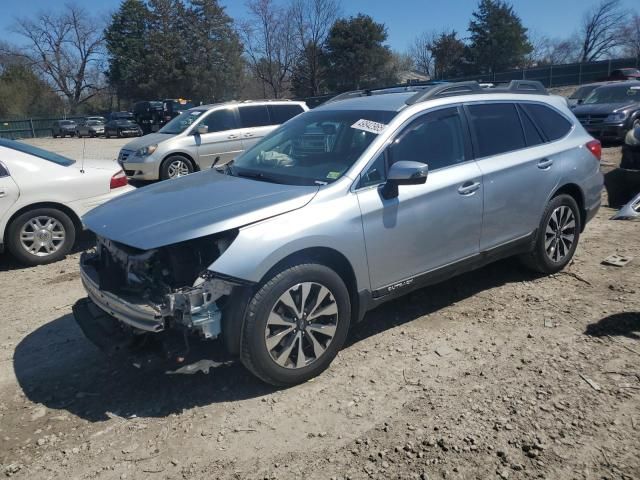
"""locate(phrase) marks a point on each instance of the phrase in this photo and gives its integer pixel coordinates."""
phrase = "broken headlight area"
(167, 287)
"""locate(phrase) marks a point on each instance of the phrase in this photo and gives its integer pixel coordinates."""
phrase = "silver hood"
(146, 140)
(190, 207)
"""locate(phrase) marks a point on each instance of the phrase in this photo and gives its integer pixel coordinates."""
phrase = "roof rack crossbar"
(470, 88)
(406, 87)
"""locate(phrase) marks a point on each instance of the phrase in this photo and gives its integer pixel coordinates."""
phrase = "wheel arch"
(77, 223)
(577, 194)
(233, 321)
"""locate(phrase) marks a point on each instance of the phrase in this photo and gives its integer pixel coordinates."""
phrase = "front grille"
(124, 155)
(592, 119)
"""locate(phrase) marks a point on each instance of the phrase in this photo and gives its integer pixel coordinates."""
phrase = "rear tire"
(557, 236)
(295, 324)
(29, 232)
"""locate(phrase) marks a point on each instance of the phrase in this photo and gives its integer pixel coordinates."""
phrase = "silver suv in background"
(202, 136)
(339, 210)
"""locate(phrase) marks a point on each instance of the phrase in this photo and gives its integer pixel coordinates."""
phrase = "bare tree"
(66, 49)
(312, 21)
(421, 52)
(601, 30)
(270, 46)
(631, 37)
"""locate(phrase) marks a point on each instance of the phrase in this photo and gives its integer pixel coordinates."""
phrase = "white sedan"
(43, 196)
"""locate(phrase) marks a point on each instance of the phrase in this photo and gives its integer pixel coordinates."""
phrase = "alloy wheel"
(42, 236)
(301, 325)
(178, 168)
(560, 233)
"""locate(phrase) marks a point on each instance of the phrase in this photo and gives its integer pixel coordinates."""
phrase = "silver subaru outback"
(202, 136)
(340, 209)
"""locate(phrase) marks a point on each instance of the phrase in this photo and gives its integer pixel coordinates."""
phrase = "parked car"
(623, 183)
(172, 107)
(148, 114)
(62, 128)
(43, 196)
(90, 128)
(623, 74)
(337, 211)
(583, 92)
(202, 136)
(610, 111)
(122, 128)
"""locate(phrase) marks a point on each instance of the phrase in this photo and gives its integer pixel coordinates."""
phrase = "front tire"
(175, 166)
(41, 236)
(557, 236)
(295, 324)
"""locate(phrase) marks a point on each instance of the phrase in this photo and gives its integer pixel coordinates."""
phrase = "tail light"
(595, 147)
(118, 180)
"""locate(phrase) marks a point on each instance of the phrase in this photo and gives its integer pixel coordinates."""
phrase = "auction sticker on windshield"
(369, 126)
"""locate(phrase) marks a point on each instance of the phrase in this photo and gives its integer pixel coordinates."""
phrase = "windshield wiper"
(257, 176)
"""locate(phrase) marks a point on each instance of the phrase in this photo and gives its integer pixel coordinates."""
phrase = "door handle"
(231, 137)
(248, 134)
(468, 188)
(3, 193)
(545, 164)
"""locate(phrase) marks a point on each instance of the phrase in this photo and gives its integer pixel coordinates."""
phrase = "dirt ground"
(496, 374)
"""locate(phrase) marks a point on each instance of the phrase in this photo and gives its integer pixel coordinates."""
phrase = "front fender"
(333, 224)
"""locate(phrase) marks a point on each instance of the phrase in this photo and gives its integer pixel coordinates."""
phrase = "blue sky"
(404, 18)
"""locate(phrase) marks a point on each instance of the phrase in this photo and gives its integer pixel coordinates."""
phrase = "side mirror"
(404, 173)
(202, 129)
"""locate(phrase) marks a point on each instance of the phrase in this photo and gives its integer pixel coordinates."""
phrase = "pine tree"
(498, 39)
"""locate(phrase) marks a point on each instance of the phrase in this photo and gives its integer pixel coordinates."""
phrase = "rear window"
(496, 128)
(37, 152)
(282, 113)
(553, 125)
(254, 116)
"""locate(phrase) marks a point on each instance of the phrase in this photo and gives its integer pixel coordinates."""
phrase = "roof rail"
(402, 87)
(470, 88)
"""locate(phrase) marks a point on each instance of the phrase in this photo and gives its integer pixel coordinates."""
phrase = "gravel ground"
(496, 374)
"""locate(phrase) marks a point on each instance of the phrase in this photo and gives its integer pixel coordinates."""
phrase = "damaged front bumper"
(190, 308)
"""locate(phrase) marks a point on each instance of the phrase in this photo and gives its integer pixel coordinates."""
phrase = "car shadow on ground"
(57, 366)
(625, 324)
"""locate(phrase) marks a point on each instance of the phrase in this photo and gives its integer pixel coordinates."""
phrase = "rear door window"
(282, 113)
(254, 116)
(496, 128)
(553, 125)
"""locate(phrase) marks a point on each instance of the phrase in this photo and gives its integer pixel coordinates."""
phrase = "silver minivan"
(203, 136)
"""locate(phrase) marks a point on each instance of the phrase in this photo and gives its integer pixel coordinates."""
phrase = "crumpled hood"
(190, 207)
(602, 108)
(146, 140)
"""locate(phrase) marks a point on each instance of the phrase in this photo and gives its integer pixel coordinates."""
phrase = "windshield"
(181, 122)
(125, 122)
(617, 94)
(37, 152)
(582, 92)
(314, 148)
(94, 122)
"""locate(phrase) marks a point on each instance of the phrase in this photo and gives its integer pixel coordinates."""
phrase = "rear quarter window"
(553, 125)
(282, 113)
